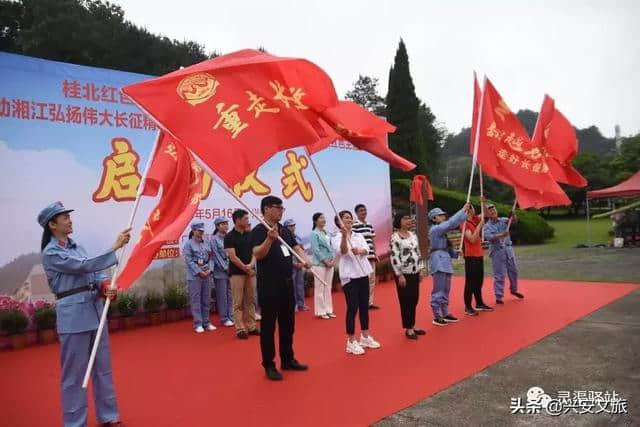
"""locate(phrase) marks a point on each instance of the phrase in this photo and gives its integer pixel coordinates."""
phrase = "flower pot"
(155, 318)
(141, 319)
(47, 336)
(173, 315)
(127, 322)
(18, 341)
(114, 324)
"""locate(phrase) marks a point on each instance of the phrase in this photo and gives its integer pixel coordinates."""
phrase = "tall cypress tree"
(402, 110)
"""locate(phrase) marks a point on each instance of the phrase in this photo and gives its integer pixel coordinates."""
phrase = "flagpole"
(112, 285)
(475, 155)
(313, 165)
(513, 209)
(217, 179)
(481, 203)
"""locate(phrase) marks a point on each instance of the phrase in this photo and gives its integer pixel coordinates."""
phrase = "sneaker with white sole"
(354, 348)
(210, 327)
(369, 342)
(199, 330)
(228, 323)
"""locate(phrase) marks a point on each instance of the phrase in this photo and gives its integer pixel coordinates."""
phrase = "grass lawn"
(559, 259)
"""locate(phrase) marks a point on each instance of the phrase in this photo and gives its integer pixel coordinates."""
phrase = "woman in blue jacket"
(197, 254)
(322, 261)
(440, 257)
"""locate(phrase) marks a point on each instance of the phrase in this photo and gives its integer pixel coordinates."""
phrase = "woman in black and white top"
(354, 268)
(405, 260)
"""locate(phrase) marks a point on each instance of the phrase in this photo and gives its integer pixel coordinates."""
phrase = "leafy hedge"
(531, 227)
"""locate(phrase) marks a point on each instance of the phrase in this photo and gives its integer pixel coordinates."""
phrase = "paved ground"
(600, 352)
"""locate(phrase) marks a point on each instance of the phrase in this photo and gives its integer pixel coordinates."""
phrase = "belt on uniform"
(436, 250)
(74, 291)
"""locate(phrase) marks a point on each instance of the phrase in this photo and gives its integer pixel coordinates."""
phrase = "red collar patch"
(61, 243)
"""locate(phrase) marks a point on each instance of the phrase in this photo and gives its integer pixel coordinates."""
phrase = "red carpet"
(169, 376)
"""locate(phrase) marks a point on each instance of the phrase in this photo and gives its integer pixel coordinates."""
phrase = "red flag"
(236, 111)
(418, 183)
(181, 178)
(353, 116)
(506, 153)
(557, 139)
(477, 95)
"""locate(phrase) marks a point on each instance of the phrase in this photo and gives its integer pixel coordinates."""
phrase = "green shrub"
(531, 227)
(45, 317)
(175, 297)
(13, 321)
(153, 301)
(127, 304)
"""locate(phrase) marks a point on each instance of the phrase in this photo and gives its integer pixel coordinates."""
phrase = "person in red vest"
(473, 263)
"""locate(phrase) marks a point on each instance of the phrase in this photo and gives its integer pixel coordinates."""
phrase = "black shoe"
(450, 318)
(255, 332)
(419, 331)
(483, 307)
(439, 322)
(242, 335)
(517, 295)
(412, 336)
(373, 307)
(294, 365)
(499, 301)
(273, 374)
(470, 312)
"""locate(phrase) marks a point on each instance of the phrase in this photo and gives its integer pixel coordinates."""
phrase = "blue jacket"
(197, 256)
(496, 245)
(441, 254)
(219, 257)
(320, 248)
(67, 267)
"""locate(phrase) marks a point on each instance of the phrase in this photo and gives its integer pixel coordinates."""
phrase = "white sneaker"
(229, 323)
(199, 329)
(369, 342)
(354, 348)
(258, 317)
(210, 327)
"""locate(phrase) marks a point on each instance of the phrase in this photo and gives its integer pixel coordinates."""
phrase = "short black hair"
(238, 214)
(398, 217)
(358, 206)
(315, 218)
(341, 214)
(269, 201)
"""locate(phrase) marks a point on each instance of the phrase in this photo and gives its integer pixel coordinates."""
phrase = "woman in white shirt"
(405, 261)
(354, 269)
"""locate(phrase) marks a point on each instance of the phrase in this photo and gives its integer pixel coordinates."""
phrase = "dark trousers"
(356, 293)
(473, 278)
(408, 297)
(278, 307)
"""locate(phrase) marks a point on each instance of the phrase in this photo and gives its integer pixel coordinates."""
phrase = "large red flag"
(556, 137)
(181, 179)
(506, 153)
(236, 111)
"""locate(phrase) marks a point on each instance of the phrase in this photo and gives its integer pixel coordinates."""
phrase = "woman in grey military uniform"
(197, 254)
(76, 281)
(440, 257)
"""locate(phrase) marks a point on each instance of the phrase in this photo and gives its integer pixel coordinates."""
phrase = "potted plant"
(14, 322)
(152, 303)
(113, 317)
(45, 319)
(175, 297)
(127, 307)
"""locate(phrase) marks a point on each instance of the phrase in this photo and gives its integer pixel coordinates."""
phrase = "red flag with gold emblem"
(506, 152)
(236, 111)
(557, 139)
(183, 185)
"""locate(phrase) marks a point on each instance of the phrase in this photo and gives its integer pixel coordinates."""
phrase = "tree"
(591, 140)
(365, 93)
(627, 161)
(416, 137)
(90, 32)
(528, 119)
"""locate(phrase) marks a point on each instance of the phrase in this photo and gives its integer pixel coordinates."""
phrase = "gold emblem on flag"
(197, 88)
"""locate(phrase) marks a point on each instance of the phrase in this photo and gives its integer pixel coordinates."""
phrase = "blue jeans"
(298, 287)
(200, 294)
(223, 298)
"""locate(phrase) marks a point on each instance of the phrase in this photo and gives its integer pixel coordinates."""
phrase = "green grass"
(571, 232)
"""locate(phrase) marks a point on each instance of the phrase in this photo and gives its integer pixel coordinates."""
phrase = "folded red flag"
(417, 185)
(181, 179)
